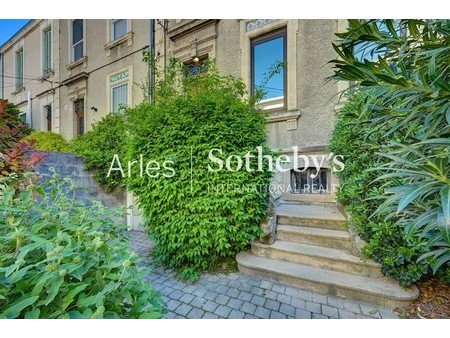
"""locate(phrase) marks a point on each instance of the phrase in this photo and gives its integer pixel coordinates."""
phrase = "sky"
(10, 26)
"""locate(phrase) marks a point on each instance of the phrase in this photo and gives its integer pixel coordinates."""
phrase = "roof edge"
(17, 34)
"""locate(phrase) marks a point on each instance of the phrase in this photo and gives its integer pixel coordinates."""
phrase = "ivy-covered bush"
(49, 141)
(98, 146)
(60, 258)
(198, 218)
(359, 141)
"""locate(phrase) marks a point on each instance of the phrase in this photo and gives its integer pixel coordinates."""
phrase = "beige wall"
(307, 119)
(90, 78)
(309, 115)
(39, 88)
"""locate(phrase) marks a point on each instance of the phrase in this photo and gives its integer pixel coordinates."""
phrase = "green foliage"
(12, 150)
(410, 93)
(14, 160)
(98, 146)
(359, 141)
(61, 259)
(49, 141)
(198, 218)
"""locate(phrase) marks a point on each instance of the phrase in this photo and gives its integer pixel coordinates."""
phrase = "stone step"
(318, 256)
(337, 239)
(379, 291)
(311, 215)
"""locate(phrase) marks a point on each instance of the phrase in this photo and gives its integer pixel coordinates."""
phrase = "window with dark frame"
(196, 66)
(308, 181)
(79, 115)
(48, 116)
(268, 74)
(19, 69)
(77, 39)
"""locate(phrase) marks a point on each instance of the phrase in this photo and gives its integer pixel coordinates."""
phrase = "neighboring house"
(66, 74)
(28, 75)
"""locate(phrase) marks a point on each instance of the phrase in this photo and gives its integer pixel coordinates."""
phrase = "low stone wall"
(68, 165)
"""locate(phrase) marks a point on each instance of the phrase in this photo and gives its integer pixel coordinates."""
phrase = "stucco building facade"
(66, 74)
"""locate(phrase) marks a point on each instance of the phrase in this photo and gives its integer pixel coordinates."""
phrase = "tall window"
(19, 69)
(119, 27)
(79, 115)
(268, 59)
(47, 51)
(48, 116)
(119, 96)
(77, 39)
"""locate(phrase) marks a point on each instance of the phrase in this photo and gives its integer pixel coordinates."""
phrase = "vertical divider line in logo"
(192, 168)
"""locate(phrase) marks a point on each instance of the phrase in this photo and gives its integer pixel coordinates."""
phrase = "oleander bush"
(49, 141)
(60, 258)
(403, 64)
(98, 146)
(359, 141)
(198, 218)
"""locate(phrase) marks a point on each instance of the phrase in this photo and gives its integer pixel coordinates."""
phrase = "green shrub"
(410, 98)
(14, 157)
(60, 258)
(193, 218)
(98, 146)
(359, 141)
(49, 141)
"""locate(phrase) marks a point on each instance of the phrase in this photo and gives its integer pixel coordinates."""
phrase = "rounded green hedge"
(198, 218)
(49, 141)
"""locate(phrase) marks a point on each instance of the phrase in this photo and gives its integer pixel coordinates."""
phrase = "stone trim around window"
(128, 38)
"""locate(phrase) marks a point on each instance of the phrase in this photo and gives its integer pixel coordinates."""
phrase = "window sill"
(46, 75)
(18, 90)
(82, 61)
(128, 38)
(280, 116)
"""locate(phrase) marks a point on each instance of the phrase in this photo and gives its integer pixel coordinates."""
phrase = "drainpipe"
(28, 118)
(151, 73)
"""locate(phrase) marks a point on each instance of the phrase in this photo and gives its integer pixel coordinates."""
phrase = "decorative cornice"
(75, 78)
(254, 24)
(189, 27)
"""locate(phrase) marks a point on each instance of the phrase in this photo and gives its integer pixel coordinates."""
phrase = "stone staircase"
(313, 251)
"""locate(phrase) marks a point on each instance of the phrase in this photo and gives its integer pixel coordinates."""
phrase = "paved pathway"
(236, 295)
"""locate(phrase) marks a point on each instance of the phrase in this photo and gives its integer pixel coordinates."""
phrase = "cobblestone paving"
(237, 296)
